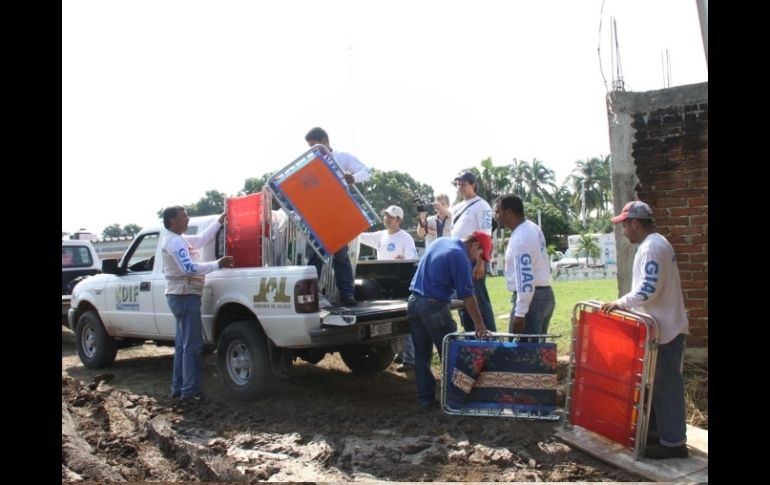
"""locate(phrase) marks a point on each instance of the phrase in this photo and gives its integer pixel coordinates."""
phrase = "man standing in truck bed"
(354, 171)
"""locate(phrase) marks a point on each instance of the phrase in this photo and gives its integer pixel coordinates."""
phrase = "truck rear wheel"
(244, 360)
(96, 348)
(367, 359)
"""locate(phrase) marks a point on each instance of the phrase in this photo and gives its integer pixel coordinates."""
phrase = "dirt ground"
(321, 424)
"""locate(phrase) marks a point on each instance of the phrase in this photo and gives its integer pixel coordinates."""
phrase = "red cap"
(636, 209)
(485, 240)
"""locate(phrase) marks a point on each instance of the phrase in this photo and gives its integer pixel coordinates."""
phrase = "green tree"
(588, 244)
(602, 224)
(590, 182)
(254, 185)
(113, 230)
(550, 249)
(562, 199)
(492, 181)
(385, 188)
(540, 182)
(131, 229)
(212, 203)
(553, 222)
(519, 172)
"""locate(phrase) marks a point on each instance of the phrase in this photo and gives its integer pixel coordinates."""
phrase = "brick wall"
(671, 154)
(668, 144)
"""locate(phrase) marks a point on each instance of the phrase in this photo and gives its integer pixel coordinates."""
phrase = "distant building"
(112, 247)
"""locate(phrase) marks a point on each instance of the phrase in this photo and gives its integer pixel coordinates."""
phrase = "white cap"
(395, 211)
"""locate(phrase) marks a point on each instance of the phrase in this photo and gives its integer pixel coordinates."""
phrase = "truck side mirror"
(110, 266)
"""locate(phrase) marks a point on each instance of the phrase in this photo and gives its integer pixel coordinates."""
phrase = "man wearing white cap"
(394, 243)
(656, 289)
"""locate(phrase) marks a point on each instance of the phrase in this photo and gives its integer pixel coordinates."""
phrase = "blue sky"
(164, 100)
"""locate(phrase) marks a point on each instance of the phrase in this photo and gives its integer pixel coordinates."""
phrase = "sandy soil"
(321, 424)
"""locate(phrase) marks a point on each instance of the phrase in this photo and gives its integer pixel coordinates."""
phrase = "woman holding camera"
(436, 226)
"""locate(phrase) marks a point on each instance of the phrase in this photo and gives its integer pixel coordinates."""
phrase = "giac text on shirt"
(650, 278)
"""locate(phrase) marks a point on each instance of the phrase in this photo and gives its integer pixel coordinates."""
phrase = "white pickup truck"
(259, 319)
(78, 260)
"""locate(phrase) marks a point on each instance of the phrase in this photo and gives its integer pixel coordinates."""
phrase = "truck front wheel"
(244, 360)
(367, 359)
(96, 348)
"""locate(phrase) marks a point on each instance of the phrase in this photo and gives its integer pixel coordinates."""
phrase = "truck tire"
(368, 359)
(96, 348)
(244, 360)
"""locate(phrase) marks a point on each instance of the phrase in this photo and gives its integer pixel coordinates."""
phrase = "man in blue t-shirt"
(445, 269)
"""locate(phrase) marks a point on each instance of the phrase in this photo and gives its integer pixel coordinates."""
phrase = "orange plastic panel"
(324, 204)
(243, 237)
(609, 352)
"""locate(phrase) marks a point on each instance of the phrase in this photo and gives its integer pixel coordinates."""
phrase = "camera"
(423, 205)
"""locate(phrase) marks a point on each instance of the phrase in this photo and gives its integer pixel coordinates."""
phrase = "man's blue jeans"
(407, 354)
(186, 378)
(429, 321)
(539, 314)
(343, 269)
(485, 307)
(668, 417)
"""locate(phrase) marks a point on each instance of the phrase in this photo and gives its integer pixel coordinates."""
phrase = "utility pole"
(583, 202)
(703, 17)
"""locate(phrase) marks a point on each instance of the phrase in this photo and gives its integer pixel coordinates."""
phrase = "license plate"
(378, 329)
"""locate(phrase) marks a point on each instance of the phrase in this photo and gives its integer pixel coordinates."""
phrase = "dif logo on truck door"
(127, 297)
(272, 293)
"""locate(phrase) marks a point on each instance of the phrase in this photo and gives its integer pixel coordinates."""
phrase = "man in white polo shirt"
(473, 214)
(527, 269)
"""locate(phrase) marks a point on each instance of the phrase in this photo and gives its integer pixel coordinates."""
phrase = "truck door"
(130, 294)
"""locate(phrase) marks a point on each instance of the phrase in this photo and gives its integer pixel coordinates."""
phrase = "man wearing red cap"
(527, 270)
(445, 269)
(656, 289)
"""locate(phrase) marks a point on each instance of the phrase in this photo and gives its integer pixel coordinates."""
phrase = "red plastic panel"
(324, 204)
(609, 352)
(243, 237)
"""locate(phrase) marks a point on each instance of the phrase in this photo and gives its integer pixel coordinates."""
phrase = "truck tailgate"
(369, 321)
(365, 312)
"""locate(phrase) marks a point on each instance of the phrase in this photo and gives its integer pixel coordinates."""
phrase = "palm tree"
(604, 182)
(492, 181)
(588, 244)
(519, 171)
(589, 181)
(539, 180)
(562, 199)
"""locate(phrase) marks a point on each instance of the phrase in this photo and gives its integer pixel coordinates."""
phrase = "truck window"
(142, 254)
(75, 257)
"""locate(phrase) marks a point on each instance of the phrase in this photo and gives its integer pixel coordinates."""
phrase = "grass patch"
(567, 294)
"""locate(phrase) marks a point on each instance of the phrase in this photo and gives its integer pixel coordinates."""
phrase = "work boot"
(660, 452)
(348, 300)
